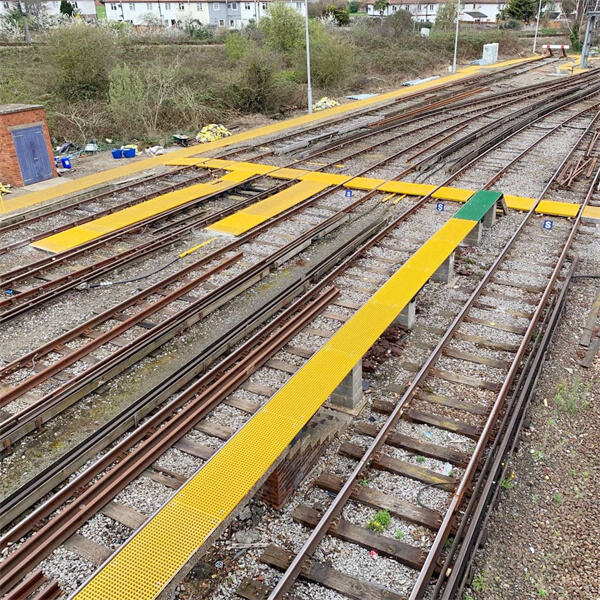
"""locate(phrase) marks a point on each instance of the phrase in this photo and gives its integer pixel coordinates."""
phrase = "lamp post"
(456, 37)
(537, 25)
(308, 59)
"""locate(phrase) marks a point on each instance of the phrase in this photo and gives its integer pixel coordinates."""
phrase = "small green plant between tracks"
(380, 522)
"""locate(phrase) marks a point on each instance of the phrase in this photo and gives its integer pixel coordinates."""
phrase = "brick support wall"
(10, 172)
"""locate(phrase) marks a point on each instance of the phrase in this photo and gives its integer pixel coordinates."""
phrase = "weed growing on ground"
(420, 459)
(399, 534)
(479, 583)
(380, 522)
(558, 498)
(541, 592)
(572, 398)
(364, 482)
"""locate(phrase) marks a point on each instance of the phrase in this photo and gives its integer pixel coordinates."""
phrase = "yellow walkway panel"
(262, 211)
(154, 555)
(127, 169)
(81, 234)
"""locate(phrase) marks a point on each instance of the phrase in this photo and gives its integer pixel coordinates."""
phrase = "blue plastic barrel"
(117, 153)
(66, 162)
(129, 152)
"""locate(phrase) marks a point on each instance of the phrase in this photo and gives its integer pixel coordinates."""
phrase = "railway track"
(462, 388)
(72, 348)
(23, 290)
(199, 393)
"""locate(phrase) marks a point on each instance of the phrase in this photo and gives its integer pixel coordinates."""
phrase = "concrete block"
(445, 272)
(408, 315)
(489, 218)
(490, 54)
(474, 237)
(349, 392)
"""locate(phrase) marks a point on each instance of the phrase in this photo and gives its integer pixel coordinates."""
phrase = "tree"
(66, 8)
(445, 18)
(380, 6)
(522, 10)
(353, 6)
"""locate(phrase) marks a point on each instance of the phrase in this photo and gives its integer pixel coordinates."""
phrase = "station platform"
(142, 568)
(81, 184)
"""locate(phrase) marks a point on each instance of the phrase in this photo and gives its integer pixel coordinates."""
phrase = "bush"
(353, 7)
(236, 45)
(78, 59)
(262, 85)
(445, 18)
(283, 28)
(329, 58)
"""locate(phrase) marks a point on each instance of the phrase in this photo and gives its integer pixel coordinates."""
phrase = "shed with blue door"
(25, 147)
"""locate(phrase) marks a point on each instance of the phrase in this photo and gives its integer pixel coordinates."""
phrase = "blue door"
(32, 152)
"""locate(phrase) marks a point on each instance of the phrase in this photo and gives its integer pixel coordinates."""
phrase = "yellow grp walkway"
(262, 211)
(309, 184)
(146, 564)
(83, 183)
(70, 238)
(521, 203)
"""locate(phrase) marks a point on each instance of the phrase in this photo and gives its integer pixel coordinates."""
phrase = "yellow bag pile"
(212, 132)
(324, 103)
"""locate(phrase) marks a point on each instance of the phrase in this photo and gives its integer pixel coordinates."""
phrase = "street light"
(308, 59)
(456, 37)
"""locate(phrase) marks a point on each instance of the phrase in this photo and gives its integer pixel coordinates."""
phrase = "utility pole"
(592, 10)
(308, 59)
(537, 25)
(456, 36)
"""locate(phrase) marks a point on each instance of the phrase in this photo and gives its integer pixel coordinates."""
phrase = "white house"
(232, 15)
(483, 11)
(87, 8)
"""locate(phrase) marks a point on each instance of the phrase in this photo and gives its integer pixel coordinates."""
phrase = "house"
(232, 15)
(86, 8)
(483, 11)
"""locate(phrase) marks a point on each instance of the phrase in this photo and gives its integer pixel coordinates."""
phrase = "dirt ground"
(543, 536)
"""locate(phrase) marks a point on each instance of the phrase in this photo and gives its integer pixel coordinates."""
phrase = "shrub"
(78, 59)
(445, 18)
(329, 58)
(236, 45)
(353, 7)
(283, 28)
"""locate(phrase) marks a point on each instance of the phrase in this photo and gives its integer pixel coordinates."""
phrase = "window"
(431, 7)
(394, 8)
(167, 6)
(131, 6)
(198, 6)
(6, 4)
(181, 6)
(148, 6)
(113, 7)
(216, 6)
(247, 6)
(264, 6)
(221, 23)
(298, 5)
(232, 5)
(231, 23)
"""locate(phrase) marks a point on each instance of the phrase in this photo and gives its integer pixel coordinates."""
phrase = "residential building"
(483, 11)
(232, 14)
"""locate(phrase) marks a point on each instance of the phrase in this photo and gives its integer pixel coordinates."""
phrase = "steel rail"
(334, 509)
(95, 215)
(443, 532)
(43, 482)
(73, 279)
(483, 498)
(160, 433)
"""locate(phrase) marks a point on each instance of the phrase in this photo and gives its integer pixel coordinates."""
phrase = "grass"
(380, 522)
(572, 398)
(558, 498)
(479, 583)
(399, 535)
(420, 459)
